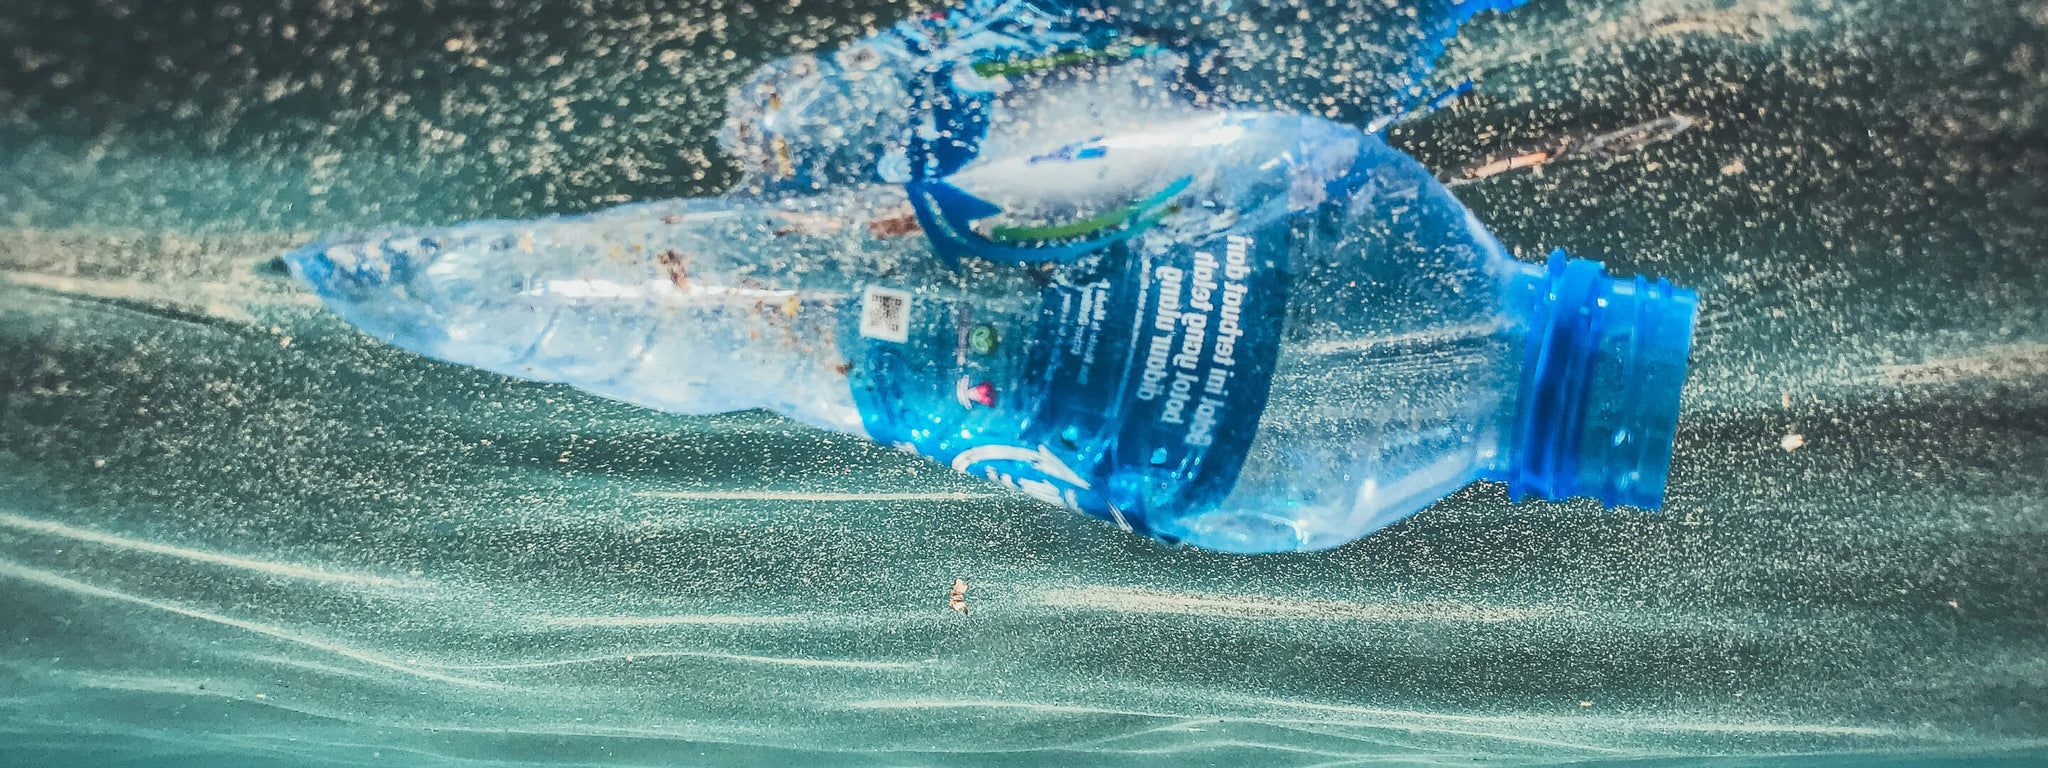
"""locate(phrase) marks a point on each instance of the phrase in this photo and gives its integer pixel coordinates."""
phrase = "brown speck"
(672, 219)
(1504, 165)
(784, 167)
(790, 306)
(672, 264)
(900, 222)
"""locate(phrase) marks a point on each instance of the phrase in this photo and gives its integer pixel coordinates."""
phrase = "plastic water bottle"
(1247, 332)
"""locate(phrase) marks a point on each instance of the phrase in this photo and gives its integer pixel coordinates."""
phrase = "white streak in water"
(130, 290)
(1620, 724)
(186, 686)
(1125, 600)
(1051, 709)
(809, 496)
(45, 578)
(713, 655)
(1083, 710)
(198, 555)
(663, 621)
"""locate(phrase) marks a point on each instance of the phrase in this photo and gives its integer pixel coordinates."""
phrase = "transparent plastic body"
(690, 306)
(1415, 356)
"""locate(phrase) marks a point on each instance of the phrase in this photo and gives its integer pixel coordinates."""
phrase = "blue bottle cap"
(1602, 370)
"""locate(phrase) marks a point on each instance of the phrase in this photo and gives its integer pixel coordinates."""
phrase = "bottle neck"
(1602, 367)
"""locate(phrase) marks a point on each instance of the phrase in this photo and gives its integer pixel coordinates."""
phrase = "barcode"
(885, 314)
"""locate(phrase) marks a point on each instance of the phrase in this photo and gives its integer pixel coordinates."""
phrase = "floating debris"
(958, 599)
(1609, 146)
(1506, 164)
(1792, 442)
(2010, 362)
(898, 222)
(1627, 141)
(1747, 22)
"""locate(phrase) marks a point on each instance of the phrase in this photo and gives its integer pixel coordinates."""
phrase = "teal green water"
(235, 532)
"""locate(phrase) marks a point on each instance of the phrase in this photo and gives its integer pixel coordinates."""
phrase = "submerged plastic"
(1249, 332)
(1030, 241)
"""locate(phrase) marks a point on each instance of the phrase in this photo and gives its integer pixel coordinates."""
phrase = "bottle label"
(1127, 389)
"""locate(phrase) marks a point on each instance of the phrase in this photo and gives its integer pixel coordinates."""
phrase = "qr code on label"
(885, 314)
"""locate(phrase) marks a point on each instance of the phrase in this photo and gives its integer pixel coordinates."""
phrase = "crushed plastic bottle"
(1250, 332)
(1029, 240)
